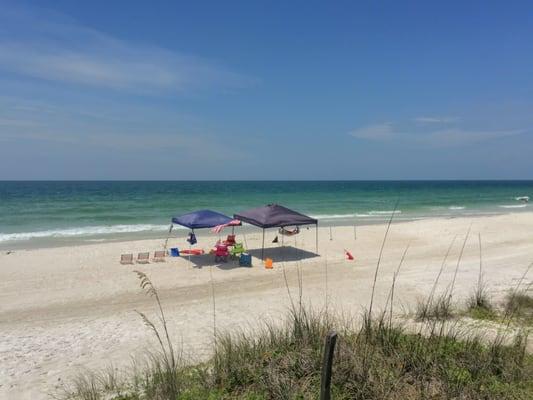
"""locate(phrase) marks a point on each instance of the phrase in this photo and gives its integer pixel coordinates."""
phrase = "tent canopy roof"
(202, 219)
(274, 215)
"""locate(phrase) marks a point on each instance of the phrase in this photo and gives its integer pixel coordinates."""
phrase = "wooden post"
(330, 234)
(329, 350)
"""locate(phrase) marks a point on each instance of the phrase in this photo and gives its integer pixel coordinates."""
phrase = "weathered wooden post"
(329, 350)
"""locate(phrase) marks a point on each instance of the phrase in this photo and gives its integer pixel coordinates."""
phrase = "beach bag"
(192, 239)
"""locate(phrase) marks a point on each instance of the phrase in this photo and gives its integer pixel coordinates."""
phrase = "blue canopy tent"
(198, 220)
(201, 219)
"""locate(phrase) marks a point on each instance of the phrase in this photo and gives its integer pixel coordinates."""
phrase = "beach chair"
(143, 258)
(221, 253)
(159, 256)
(237, 250)
(126, 259)
(230, 240)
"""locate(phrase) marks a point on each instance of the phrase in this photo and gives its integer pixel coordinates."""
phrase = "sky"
(266, 90)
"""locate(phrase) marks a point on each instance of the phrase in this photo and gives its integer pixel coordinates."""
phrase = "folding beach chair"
(143, 258)
(159, 256)
(126, 259)
(221, 253)
(230, 240)
(237, 250)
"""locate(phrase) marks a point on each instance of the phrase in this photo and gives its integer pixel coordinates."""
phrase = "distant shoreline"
(58, 242)
(60, 213)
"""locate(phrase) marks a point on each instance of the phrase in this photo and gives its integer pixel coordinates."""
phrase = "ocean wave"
(385, 212)
(82, 231)
(333, 216)
(514, 206)
(357, 215)
(456, 208)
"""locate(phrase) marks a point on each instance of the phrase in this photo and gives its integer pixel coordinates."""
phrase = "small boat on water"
(523, 199)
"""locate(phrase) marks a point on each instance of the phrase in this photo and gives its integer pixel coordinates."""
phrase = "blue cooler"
(174, 252)
(245, 260)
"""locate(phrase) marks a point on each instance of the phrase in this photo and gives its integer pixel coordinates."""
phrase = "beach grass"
(376, 359)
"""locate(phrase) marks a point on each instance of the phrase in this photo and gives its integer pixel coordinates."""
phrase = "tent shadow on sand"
(277, 254)
(283, 253)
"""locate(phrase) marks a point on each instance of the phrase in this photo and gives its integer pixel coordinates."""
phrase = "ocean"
(39, 214)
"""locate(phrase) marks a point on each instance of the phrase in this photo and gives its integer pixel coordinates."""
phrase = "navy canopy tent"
(198, 220)
(275, 216)
(201, 219)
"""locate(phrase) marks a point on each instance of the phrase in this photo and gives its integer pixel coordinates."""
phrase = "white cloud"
(434, 120)
(380, 132)
(62, 50)
(198, 147)
(388, 132)
(461, 137)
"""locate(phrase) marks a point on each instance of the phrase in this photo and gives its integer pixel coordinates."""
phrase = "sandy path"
(62, 309)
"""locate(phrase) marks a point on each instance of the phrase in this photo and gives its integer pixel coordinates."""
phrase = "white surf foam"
(347, 216)
(385, 212)
(514, 206)
(82, 231)
(456, 208)
(333, 216)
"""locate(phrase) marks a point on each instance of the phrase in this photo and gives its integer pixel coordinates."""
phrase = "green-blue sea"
(34, 214)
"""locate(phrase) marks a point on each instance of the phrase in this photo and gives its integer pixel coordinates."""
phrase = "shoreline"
(69, 308)
(36, 243)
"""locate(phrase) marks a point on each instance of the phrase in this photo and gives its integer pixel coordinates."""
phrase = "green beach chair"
(237, 250)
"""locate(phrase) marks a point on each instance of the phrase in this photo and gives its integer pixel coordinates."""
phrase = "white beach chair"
(159, 256)
(126, 259)
(143, 258)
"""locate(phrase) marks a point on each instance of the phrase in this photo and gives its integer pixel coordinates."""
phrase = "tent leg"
(316, 240)
(190, 248)
(263, 246)
(168, 236)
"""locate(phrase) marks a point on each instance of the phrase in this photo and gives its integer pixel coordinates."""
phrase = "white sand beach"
(69, 308)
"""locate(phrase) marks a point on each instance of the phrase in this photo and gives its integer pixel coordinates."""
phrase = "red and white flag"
(219, 228)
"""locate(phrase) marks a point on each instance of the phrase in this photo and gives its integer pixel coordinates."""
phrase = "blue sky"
(266, 90)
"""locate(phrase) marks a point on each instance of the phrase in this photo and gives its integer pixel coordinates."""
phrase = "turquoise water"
(44, 213)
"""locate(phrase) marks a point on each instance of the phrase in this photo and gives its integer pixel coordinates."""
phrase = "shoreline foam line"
(82, 231)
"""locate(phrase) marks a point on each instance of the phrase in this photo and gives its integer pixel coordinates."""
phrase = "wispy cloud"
(461, 137)
(149, 145)
(434, 120)
(63, 51)
(380, 132)
(433, 137)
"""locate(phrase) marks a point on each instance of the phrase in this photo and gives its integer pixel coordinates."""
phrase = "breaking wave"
(82, 231)
(385, 212)
(333, 216)
(362, 215)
